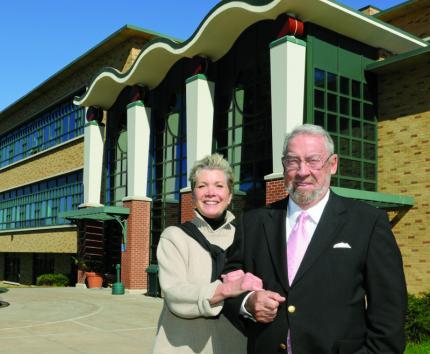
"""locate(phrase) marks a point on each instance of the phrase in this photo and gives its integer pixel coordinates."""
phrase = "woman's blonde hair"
(212, 162)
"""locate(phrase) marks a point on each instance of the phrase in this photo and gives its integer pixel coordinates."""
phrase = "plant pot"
(94, 280)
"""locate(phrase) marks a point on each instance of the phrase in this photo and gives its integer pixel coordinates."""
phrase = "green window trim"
(340, 99)
(39, 204)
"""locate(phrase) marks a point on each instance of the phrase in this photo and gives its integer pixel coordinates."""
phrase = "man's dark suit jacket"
(343, 299)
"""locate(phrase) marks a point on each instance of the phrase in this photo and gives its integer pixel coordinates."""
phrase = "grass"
(7, 285)
(423, 348)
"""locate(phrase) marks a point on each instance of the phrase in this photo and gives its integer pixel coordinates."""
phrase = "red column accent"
(187, 209)
(275, 190)
(135, 259)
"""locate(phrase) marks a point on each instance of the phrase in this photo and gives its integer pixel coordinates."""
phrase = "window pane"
(319, 118)
(356, 109)
(332, 102)
(344, 85)
(331, 82)
(332, 123)
(344, 105)
(356, 89)
(356, 148)
(319, 99)
(319, 78)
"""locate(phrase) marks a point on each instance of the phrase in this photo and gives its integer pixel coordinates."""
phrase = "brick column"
(135, 258)
(275, 188)
(187, 210)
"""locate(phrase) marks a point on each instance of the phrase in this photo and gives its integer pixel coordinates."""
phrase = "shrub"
(52, 280)
(418, 318)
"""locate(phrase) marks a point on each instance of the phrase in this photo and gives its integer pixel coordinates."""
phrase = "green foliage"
(423, 348)
(418, 319)
(52, 280)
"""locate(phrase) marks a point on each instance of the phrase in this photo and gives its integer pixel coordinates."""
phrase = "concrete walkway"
(76, 321)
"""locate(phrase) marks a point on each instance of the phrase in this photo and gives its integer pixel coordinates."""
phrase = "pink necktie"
(297, 244)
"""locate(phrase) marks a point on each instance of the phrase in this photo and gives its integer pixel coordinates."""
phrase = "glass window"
(44, 131)
(38, 204)
(353, 131)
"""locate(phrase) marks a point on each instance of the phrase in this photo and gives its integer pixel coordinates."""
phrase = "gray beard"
(303, 198)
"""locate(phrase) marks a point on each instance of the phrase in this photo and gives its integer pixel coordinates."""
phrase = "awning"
(105, 213)
(386, 201)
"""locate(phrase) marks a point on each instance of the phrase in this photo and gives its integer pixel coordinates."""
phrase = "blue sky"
(39, 38)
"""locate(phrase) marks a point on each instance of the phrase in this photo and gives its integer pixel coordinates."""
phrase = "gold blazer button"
(283, 346)
(291, 309)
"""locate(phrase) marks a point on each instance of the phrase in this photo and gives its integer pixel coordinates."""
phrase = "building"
(249, 74)
(41, 163)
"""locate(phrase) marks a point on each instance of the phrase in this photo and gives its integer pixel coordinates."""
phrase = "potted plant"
(88, 271)
(82, 267)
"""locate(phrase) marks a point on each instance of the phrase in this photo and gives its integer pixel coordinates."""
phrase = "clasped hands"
(262, 304)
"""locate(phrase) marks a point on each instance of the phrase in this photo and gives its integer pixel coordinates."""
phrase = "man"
(347, 294)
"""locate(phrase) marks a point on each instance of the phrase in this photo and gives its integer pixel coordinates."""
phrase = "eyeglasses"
(312, 162)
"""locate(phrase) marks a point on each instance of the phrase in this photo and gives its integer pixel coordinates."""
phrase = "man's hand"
(263, 305)
(234, 284)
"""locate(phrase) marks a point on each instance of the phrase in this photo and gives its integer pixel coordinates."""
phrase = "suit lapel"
(328, 227)
(274, 227)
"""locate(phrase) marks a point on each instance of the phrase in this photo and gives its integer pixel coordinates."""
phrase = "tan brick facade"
(404, 163)
(40, 241)
(68, 157)
(417, 21)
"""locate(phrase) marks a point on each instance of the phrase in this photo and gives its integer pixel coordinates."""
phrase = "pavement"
(76, 321)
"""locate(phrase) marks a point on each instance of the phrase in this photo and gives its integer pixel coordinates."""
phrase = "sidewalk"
(76, 321)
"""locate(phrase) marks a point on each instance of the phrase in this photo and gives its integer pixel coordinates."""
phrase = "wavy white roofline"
(220, 29)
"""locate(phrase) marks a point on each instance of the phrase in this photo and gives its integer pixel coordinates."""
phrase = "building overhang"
(398, 62)
(223, 25)
(105, 213)
(386, 201)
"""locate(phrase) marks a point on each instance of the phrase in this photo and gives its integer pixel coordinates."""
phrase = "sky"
(38, 38)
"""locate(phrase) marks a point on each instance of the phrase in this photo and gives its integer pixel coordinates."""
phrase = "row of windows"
(343, 106)
(56, 126)
(39, 204)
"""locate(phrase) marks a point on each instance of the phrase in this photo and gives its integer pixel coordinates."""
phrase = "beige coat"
(185, 271)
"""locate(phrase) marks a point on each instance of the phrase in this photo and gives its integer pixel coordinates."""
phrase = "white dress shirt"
(293, 211)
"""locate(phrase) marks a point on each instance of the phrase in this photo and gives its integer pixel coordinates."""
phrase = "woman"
(191, 301)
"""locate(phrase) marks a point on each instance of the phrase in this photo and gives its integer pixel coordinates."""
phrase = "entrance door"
(12, 267)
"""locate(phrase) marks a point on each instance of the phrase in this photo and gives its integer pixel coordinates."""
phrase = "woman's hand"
(234, 275)
(234, 284)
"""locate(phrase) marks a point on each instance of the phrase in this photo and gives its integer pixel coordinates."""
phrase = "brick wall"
(43, 241)
(417, 21)
(187, 210)
(135, 259)
(68, 157)
(404, 163)
(275, 190)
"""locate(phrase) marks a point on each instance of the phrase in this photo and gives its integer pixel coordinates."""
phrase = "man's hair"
(309, 129)
(212, 162)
